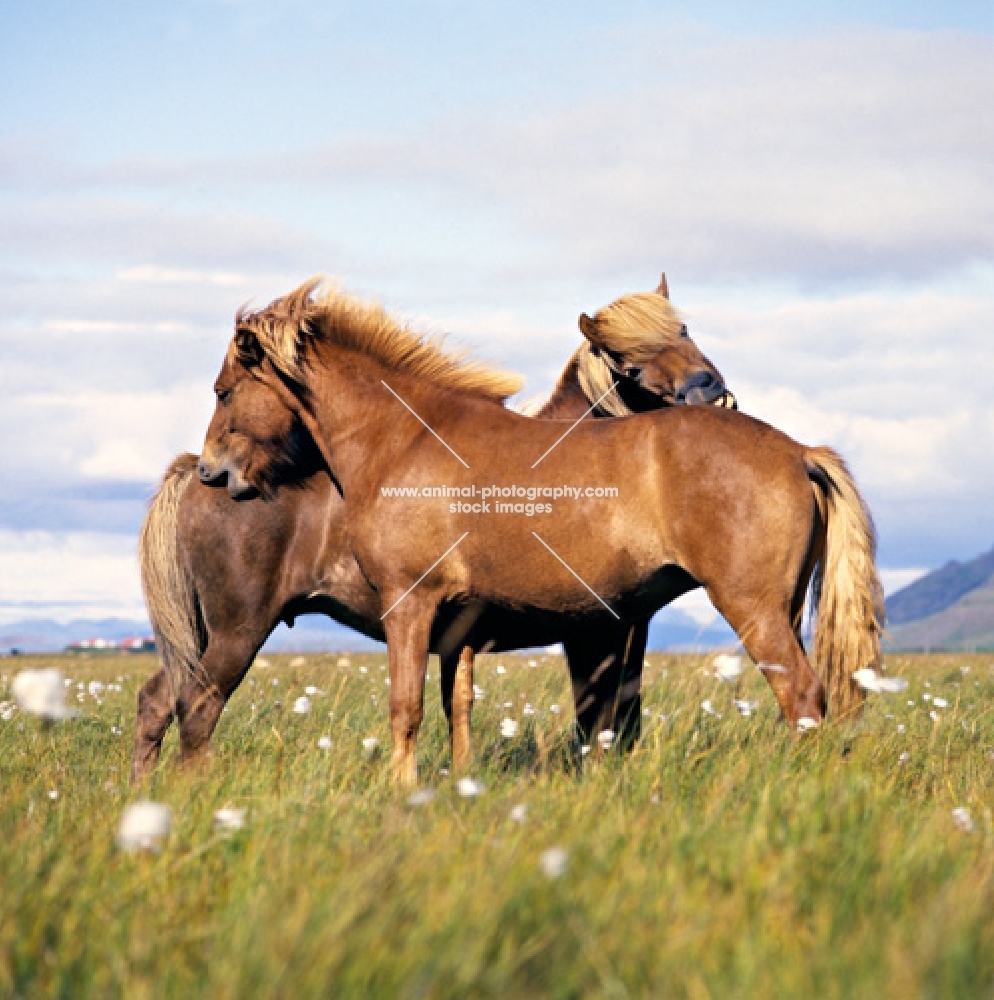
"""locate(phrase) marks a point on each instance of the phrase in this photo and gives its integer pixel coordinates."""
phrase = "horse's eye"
(224, 395)
(635, 374)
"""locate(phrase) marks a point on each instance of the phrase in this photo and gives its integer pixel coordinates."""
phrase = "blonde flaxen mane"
(287, 327)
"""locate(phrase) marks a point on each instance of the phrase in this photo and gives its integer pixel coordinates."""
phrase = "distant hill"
(968, 624)
(950, 608)
(939, 590)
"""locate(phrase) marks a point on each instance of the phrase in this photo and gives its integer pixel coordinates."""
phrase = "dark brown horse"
(706, 497)
(220, 574)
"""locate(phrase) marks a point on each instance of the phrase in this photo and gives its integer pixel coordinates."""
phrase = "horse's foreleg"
(155, 713)
(626, 717)
(595, 672)
(407, 627)
(457, 701)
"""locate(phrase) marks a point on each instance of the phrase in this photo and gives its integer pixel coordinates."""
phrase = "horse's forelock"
(638, 325)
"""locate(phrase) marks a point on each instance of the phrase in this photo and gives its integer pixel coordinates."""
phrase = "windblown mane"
(287, 326)
(596, 380)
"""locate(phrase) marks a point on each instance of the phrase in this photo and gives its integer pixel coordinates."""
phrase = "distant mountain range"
(671, 629)
(950, 608)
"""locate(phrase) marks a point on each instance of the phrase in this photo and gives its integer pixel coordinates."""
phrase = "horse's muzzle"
(701, 387)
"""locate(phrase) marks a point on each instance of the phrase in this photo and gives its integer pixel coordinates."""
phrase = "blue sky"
(816, 183)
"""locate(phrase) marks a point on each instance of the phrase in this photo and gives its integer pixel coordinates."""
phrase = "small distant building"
(133, 644)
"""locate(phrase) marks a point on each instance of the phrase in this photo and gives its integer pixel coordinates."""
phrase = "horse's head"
(650, 354)
(255, 439)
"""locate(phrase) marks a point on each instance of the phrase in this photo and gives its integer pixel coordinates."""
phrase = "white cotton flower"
(528, 709)
(926, 697)
(420, 798)
(771, 668)
(553, 862)
(42, 693)
(745, 708)
(709, 709)
(554, 709)
(469, 788)
(54, 795)
(313, 692)
(7, 710)
(343, 661)
(963, 819)
(508, 728)
(869, 680)
(369, 746)
(728, 668)
(501, 669)
(298, 661)
(584, 750)
(940, 702)
(324, 743)
(302, 705)
(805, 724)
(95, 689)
(518, 813)
(901, 727)
(363, 670)
(263, 662)
(143, 826)
(478, 692)
(905, 757)
(605, 739)
(934, 716)
(229, 819)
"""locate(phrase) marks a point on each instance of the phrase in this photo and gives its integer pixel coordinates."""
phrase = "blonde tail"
(847, 596)
(169, 594)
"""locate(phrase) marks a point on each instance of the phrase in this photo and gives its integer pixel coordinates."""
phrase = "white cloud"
(68, 575)
(122, 436)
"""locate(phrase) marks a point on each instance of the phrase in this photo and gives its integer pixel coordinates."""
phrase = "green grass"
(722, 859)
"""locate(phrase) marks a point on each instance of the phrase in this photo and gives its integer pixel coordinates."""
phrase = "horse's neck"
(366, 416)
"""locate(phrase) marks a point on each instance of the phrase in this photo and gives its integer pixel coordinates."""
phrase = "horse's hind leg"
(457, 701)
(202, 699)
(155, 713)
(769, 638)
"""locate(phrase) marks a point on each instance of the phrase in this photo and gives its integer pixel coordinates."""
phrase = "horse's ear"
(250, 351)
(663, 289)
(588, 327)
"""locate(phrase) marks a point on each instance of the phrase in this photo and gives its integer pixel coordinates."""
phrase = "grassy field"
(722, 859)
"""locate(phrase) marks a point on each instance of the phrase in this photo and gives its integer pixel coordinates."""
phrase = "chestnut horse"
(706, 497)
(220, 574)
